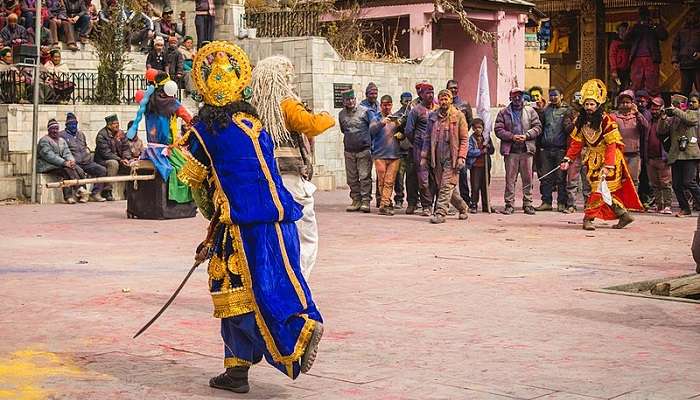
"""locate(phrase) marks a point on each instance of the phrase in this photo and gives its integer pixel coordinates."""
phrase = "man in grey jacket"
(354, 123)
(54, 158)
(518, 126)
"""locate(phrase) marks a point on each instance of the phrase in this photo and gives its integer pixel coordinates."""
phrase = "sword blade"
(539, 178)
(170, 300)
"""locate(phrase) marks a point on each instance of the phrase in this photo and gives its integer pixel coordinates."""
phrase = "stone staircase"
(11, 186)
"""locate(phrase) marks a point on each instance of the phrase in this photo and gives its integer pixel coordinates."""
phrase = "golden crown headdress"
(221, 79)
(594, 89)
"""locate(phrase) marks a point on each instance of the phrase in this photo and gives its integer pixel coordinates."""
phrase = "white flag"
(483, 99)
(605, 191)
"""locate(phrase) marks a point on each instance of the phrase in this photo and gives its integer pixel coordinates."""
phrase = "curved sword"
(171, 299)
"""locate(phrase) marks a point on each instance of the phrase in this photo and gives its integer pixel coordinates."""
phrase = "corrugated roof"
(553, 6)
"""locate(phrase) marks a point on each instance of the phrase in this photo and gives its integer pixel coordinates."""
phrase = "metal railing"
(284, 23)
(72, 88)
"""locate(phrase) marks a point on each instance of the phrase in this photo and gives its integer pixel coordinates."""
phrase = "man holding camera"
(656, 158)
(683, 153)
(385, 153)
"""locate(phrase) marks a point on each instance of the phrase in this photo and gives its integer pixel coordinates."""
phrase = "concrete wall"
(467, 57)
(318, 66)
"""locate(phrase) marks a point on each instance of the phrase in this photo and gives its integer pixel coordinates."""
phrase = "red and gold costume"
(605, 149)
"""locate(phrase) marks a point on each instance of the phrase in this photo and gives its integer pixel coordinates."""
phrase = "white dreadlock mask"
(272, 83)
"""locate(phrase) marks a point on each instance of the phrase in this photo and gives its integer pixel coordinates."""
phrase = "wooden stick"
(681, 287)
(104, 179)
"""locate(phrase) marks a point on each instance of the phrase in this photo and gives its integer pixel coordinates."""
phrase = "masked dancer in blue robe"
(255, 280)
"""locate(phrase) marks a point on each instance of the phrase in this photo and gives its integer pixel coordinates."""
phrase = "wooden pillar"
(592, 39)
(588, 40)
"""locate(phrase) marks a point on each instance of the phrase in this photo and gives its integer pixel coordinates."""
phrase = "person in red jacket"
(619, 59)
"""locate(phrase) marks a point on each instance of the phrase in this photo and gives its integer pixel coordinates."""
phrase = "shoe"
(234, 379)
(508, 210)
(588, 225)
(472, 210)
(561, 207)
(410, 210)
(544, 207)
(569, 210)
(530, 210)
(426, 212)
(684, 213)
(355, 206)
(386, 211)
(107, 194)
(463, 215)
(72, 47)
(309, 356)
(437, 219)
(398, 206)
(70, 200)
(364, 207)
(666, 211)
(97, 198)
(625, 219)
(83, 195)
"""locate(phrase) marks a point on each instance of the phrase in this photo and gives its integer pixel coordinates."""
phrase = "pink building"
(420, 28)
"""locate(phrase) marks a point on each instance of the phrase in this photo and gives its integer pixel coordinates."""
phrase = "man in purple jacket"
(518, 125)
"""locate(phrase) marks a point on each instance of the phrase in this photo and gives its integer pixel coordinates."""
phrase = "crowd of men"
(431, 151)
(66, 155)
(157, 34)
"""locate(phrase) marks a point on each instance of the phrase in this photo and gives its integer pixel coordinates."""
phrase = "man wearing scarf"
(446, 152)
(598, 132)
(77, 144)
(418, 134)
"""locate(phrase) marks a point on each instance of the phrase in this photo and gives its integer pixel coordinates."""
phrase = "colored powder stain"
(22, 373)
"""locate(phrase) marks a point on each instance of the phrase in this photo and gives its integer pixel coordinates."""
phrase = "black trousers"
(548, 160)
(479, 179)
(685, 179)
(412, 195)
(688, 78)
(205, 28)
(464, 185)
(67, 173)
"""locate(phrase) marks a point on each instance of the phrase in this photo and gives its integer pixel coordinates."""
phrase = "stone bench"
(52, 196)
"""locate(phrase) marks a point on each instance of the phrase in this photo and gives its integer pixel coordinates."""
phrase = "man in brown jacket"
(447, 154)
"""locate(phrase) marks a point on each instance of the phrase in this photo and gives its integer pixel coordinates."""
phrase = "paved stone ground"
(495, 308)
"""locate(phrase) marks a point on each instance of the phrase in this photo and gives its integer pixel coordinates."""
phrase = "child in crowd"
(479, 162)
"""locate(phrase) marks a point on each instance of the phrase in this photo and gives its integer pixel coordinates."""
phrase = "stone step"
(11, 188)
(85, 60)
(7, 169)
